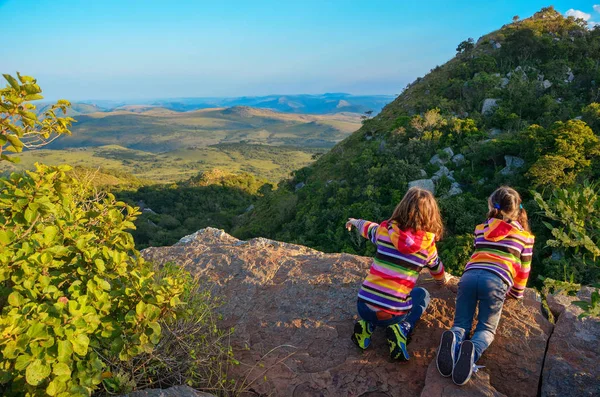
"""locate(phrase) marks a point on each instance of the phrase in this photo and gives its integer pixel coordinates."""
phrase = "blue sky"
(134, 49)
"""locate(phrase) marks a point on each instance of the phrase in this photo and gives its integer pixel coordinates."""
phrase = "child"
(405, 244)
(498, 267)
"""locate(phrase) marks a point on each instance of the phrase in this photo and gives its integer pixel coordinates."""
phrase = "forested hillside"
(517, 107)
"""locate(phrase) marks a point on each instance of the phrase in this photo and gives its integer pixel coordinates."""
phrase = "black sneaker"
(445, 354)
(463, 369)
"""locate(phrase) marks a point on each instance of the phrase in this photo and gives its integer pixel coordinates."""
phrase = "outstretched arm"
(436, 267)
(366, 229)
(520, 281)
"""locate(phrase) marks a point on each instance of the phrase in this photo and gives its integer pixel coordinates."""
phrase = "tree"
(564, 151)
(515, 19)
(466, 46)
(20, 126)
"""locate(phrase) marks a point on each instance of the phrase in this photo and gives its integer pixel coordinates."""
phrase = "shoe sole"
(445, 354)
(358, 330)
(402, 355)
(464, 366)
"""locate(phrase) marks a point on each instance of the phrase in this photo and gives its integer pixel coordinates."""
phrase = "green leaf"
(140, 308)
(36, 372)
(65, 350)
(80, 344)
(50, 233)
(30, 214)
(22, 362)
(12, 81)
(15, 141)
(6, 237)
(62, 371)
(15, 299)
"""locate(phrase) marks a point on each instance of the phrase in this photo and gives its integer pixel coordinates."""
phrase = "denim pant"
(420, 301)
(489, 290)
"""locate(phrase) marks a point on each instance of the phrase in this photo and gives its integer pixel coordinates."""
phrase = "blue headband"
(497, 206)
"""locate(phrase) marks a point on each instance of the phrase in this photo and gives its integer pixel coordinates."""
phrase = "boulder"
(571, 366)
(570, 76)
(441, 160)
(423, 173)
(512, 163)
(426, 184)
(504, 82)
(437, 160)
(495, 131)
(175, 391)
(293, 310)
(489, 105)
(299, 186)
(458, 159)
(546, 84)
(443, 172)
(454, 189)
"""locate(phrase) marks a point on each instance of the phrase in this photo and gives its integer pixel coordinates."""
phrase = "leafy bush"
(192, 349)
(575, 226)
(73, 287)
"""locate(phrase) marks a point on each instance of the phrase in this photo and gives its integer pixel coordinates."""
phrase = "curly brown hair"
(417, 211)
(506, 204)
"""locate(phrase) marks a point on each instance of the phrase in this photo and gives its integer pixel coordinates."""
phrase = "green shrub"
(73, 287)
(575, 227)
(192, 349)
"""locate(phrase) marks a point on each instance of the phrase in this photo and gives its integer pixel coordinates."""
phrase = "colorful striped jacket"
(505, 249)
(401, 255)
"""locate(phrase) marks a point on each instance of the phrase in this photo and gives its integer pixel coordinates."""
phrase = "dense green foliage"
(534, 76)
(172, 211)
(74, 287)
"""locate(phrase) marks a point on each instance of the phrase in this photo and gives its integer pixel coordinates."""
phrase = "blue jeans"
(420, 301)
(489, 290)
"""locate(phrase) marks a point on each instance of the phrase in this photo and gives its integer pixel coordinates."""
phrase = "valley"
(161, 145)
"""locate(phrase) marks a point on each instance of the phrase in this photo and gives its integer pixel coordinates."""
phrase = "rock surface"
(571, 366)
(293, 310)
(426, 184)
(512, 163)
(489, 105)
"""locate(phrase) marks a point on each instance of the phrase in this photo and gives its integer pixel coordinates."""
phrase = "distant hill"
(302, 104)
(76, 109)
(157, 129)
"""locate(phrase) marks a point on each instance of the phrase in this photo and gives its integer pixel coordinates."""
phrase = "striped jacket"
(505, 249)
(401, 255)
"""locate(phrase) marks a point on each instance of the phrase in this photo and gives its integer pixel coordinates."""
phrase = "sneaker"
(463, 369)
(362, 334)
(397, 338)
(446, 353)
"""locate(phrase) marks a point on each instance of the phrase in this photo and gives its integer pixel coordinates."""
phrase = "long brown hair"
(505, 203)
(417, 211)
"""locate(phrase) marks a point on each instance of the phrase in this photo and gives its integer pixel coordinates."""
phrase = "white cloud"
(597, 7)
(579, 14)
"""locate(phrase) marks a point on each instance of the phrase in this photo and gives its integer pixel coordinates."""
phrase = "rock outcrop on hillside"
(293, 310)
(571, 365)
